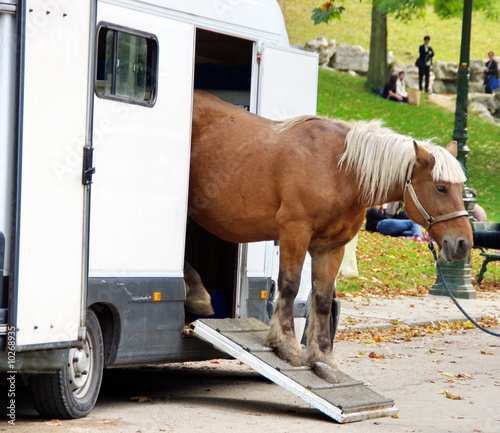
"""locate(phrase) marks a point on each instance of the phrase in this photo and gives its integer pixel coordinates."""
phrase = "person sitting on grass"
(390, 90)
(380, 219)
(401, 87)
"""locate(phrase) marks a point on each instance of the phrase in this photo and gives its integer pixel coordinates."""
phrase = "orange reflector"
(263, 294)
(157, 296)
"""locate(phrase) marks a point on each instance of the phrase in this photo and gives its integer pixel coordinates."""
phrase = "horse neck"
(396, 193)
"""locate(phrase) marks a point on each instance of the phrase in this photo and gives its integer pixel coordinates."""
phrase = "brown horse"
(307, 183)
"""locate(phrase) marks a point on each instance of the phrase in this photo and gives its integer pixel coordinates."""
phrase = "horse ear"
(452, 148)
(424, 158)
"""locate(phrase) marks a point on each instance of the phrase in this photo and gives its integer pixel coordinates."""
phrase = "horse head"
(433, 199)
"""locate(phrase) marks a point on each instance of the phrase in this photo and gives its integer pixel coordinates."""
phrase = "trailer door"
(49, 258)
(287, 82)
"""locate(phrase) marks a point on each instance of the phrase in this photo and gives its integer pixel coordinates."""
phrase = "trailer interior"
(223, 67)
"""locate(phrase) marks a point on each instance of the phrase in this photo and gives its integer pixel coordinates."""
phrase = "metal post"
(458, 274)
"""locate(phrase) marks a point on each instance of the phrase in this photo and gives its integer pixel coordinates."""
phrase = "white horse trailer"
(95, 125)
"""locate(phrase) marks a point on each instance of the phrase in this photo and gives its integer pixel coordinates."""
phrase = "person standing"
(490, 71)
(424, 62)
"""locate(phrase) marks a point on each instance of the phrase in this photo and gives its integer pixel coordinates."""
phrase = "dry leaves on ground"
(401, 332)
(448, 394)
(141, 399)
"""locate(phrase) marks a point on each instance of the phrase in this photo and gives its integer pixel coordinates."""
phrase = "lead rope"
(477, 325)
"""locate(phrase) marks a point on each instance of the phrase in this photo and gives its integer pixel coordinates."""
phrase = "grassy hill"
(403, 38)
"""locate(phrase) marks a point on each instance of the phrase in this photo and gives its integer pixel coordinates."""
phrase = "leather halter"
(428, 219)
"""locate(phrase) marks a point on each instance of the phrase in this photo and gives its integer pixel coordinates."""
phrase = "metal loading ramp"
(347, 401)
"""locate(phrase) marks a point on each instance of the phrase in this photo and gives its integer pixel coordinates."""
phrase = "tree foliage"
(403, 10)
(327, 12)
(454, 8)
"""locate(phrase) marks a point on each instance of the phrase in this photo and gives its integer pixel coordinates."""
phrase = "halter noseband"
(428, 219)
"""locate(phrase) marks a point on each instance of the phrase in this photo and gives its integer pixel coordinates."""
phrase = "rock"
(324, 47)
(476, 67)
(497, 100)
(481, 111)
(351, 57)
(445, 70)
(444, 86)
(476, 87)
(488, 100)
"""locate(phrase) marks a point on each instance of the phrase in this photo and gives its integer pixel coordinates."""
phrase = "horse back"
(246, 171)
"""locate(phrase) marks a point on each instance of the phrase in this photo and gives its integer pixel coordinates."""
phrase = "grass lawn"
(387, 264)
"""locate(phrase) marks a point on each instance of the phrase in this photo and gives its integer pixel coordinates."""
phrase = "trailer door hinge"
(88, 170)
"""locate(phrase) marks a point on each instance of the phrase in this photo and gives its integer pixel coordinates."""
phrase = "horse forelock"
(447, 168)
(382, 159)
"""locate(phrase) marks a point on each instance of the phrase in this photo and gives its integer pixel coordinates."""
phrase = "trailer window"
(126, 65)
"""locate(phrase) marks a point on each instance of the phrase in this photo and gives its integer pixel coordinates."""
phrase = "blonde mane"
(286, 124)
(381, 159)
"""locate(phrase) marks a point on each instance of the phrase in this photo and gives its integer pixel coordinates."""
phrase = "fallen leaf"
(396, 415)
(444, 373)
(54, 422)
(487, 352)
(141, 399)
(450, 395)
(376, 355)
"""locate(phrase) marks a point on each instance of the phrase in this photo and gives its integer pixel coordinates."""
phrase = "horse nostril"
(463, 245)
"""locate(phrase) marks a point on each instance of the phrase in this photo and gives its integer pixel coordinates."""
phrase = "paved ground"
(359, 312)
(448, 102)
(440, 383)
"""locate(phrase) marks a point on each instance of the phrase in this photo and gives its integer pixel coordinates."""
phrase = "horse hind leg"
(319, 351)
(281, 336)
(198, 300)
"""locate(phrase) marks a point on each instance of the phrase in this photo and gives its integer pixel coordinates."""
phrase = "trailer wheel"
(72, 391)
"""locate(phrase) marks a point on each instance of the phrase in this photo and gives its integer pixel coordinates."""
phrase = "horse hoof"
(326, 372)
(292, 357)
(200, 307)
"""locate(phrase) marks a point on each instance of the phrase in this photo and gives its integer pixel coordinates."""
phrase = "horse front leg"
(319, 351)
(281, 336)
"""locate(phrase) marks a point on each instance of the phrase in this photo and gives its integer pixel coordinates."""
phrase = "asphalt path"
(440, 383)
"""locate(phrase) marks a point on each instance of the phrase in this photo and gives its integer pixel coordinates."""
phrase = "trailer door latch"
(88, 170)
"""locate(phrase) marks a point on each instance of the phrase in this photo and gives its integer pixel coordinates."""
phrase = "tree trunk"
(378, 71)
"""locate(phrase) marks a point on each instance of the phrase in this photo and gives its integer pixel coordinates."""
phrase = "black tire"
(68, 394)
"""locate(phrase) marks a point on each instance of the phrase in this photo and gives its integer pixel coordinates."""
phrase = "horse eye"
(441, 189)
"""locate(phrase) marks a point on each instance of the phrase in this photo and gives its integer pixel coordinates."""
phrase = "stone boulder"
(324, 47)
(476, 67)
(488, 100)
(481, 111)
(351, 58)
(445, 70)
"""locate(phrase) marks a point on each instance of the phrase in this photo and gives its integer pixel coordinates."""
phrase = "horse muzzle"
(454, 249)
